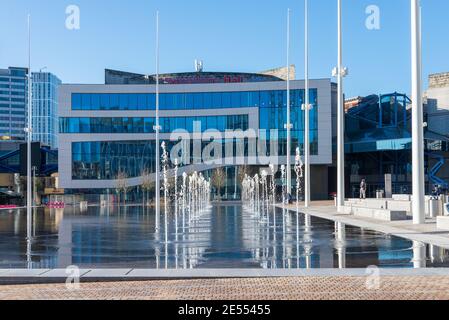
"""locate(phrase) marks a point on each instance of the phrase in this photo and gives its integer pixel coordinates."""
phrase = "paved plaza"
(287, 288)
(425, 233)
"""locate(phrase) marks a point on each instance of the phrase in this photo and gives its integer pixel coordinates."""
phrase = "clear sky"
(229, 35)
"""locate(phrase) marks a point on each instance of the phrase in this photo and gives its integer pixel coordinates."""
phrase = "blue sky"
(237, 35)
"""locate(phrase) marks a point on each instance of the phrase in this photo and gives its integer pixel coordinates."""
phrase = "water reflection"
(224, 237)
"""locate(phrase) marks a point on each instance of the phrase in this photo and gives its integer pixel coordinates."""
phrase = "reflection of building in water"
(224, 237)
(114, 239)
(195, 241)
(288, 244)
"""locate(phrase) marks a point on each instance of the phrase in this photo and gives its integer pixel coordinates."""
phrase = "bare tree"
(242, 172)
(122, 185)
(218, 180)
(147, 185)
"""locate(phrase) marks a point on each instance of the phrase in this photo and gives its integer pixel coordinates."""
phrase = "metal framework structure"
(379, 130)
(10, 162)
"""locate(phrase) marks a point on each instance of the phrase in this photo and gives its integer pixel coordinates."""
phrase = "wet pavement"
(227, 236)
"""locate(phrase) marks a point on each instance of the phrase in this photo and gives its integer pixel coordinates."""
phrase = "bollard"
(446, 209)
(434, 208)
(379, 194)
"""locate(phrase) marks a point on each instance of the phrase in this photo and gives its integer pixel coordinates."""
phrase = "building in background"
(199, 77)
(437, 130)
(108, 129)
(45, 108)
(13, 101)
(378, 142)
(352, 102)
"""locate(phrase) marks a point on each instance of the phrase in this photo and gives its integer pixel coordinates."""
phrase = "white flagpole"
(29, 137)
(306, 108)
(288, 125)
(157, 128)
(340, 120)
(417, 116)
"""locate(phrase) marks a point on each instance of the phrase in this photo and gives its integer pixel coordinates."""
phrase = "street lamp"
(28, 131)
(306, 107)
(157, 128)
(340, 72)
(288, 125)
(34, 186)
(417, 117)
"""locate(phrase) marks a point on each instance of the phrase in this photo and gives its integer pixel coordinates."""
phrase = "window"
(104, 102)
(85, 102)
(124, 101)
(76, 101)
(198, 101)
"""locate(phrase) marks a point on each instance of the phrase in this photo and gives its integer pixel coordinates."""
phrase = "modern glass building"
(230, 120)
(13, 101)
(378, 141)
(45, 108)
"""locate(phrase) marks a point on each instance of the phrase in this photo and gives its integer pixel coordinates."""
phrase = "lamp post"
(34, 168)
(417, 117)
(157, 128)
(340, 72)
(288, 126)
(28, 131)
(306, 108)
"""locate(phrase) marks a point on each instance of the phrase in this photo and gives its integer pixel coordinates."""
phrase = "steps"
(378, 209)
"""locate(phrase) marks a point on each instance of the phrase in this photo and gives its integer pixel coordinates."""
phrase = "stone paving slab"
(110, 273)
(59, 273)
(18, 273)
(291, 288)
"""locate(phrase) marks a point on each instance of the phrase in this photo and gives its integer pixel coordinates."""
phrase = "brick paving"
(297, 288)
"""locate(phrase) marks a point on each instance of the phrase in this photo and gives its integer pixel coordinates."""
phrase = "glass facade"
(102, 160)
(273, 115)
(378, 142)
(13, 99)
(146, 125)
(45, 108)
(184, 101)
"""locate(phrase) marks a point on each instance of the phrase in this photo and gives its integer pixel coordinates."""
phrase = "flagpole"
(418, 180)
(341, 72)
(157, 128)
(29, 137)
(306, 108)
(288, 125)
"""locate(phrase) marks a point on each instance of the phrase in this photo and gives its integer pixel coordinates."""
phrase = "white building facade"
(107, 129)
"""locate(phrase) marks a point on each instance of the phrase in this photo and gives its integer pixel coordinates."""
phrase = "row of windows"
(104, 160)
(184, 101)
(12, 112)
(17, 94)
(12, 119)
(146, 125)
(12, 99)
(7, 79)
(8, 125)
(4, 105)
(18, 72)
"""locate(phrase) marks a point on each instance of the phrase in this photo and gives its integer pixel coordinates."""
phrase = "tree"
(122, 185)
(147, 185)
(218, 180)
(242, 172)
